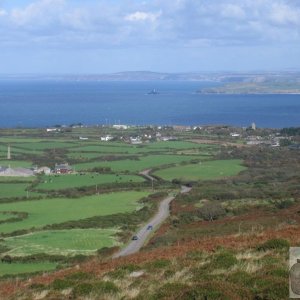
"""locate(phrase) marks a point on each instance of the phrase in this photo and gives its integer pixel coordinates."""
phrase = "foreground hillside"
(227, 238)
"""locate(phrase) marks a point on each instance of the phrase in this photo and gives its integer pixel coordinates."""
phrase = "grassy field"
(77, 180)
(58, 210)
(44, 145)
(175, 145)
(6, 216)
(9, 179)
(142, 148)
(22, 268)
(15, 163)
(93, 155)
(142, 163)
(203, 171)
(11, 190)
(61, 242)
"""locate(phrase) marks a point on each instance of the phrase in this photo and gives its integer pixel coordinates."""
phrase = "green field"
(5, 216)
(142, 148)
(203, 171)
(140, 164)
(54, 211)
(11, 190)
(175, 145)
(77, 180)
(61, 242)
(15, 163)
(22, 268)
(15, 151)
(38, 146)
(13, 179)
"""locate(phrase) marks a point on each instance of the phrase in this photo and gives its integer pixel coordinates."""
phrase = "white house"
(106, 138)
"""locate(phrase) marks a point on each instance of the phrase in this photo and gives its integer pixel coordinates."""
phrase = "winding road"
(162, 214)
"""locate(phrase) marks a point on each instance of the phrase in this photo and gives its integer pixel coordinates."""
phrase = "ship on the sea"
(153, 92)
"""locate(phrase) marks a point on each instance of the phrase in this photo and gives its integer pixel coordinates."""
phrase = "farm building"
(43, 170)
(16, 172)
(63, 169)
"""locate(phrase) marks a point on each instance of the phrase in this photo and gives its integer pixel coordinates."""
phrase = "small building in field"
(63, 169)
(43, 170)
(106, 138)
(15, 172)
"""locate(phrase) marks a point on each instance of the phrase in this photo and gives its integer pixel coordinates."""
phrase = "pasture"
(137, 165)
(16, 179)
(43, 145)
(58, 210)
(59, 182)
(12, 190)
(61, 242)
(207, 170)
(15, 163)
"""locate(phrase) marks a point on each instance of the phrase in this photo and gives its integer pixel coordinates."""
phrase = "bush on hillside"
(272, 244)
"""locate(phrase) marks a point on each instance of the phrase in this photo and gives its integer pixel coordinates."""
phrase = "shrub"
(195, 255)
(61, 284)
(158, 264)
(105, 287)
(37, 286)
(79, 276)
(282, 204)
(242, 278)
(272, 244)
(211, 211)
(223, 260)
(130, 268)
(82, 289)
(170, 291)
(271, 289)
(280, 272)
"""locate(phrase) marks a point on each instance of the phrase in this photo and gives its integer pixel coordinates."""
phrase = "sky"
(104, 36)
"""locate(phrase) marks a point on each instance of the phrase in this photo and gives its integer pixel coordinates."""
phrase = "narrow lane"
(162, 214)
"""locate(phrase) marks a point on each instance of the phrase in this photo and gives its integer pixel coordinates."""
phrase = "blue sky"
(100, 36)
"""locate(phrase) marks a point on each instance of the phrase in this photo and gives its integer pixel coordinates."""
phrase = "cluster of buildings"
(26, 172)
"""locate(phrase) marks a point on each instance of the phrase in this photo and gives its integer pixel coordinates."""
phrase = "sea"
(33, 103)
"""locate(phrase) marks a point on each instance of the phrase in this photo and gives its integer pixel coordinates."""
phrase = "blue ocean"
(47, 103)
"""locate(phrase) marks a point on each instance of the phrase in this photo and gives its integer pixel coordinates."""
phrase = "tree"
(211, 211)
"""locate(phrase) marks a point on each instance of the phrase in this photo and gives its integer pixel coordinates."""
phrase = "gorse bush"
(223, 260)
(105, 287)
(82, 289)
(272, 244)
(61, 284)
(79, 276)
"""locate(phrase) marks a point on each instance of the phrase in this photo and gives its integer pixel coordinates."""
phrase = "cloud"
(282, 14)
(37, 13)
(3, 12)
(156, 23)
(142, 16)
(233, 11)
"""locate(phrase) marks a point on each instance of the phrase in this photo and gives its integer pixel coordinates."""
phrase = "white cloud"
(3, 12)
(38, 12)
(142, 16)
(282, 14)
(104, 23)
(233, 11)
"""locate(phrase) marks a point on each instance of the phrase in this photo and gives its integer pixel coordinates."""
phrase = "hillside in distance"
(218, 77)
(269, 87)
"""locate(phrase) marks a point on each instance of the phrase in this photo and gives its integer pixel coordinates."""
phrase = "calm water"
(33, 104)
